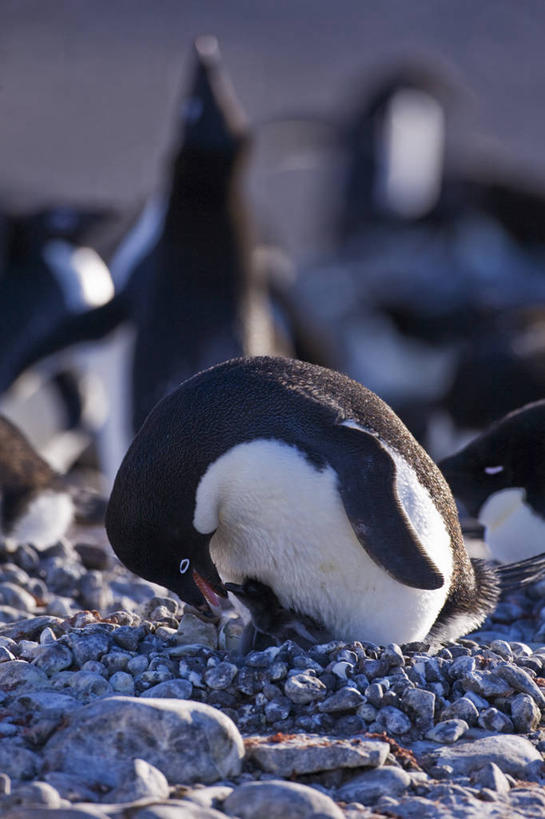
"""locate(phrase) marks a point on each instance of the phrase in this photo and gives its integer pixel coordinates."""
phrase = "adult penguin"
(303, 480)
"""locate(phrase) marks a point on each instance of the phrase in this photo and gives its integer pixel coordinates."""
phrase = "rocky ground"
(146, 711)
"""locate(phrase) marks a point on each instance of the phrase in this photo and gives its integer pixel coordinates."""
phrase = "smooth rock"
(174, 809)
(71, 787)
(49, 704)
(510, 752)
(33, 794)
(122, 683)
(175, 689)
(369, 786)
(306, 753)
(345, 699)
(141, 781)
(181, 738)
(18, 675)
(393, 720)
(276, 799)
(13, 595)
(420, 705)
(525, 714)
(193, 630)
(87, 685)
(447, 731)
(53, 657)
(491, 776)
(462, 708)
(494, 720)
(211, 797)
(520, 680)
(486, 684)
(17, 761)
(221, 675)
(304, 688)
(88, 644)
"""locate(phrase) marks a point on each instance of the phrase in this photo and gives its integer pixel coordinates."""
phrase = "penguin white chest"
(513, 530)
(280, 520)
(44, 521)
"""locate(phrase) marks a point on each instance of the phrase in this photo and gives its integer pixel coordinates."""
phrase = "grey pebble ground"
(146, 711)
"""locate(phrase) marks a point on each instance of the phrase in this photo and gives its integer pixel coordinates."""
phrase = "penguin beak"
(209, 592)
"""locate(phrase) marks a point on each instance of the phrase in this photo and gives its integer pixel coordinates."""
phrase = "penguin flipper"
(367, 486)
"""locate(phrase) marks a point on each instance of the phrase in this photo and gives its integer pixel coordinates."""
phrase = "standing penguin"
(196, 297)
(500, 478)
(299, 478)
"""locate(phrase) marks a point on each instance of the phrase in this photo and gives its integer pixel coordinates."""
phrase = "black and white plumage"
(500, 479)
(299, 478)
(195, 297)
(37, 504)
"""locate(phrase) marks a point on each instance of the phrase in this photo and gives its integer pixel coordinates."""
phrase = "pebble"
(277, 799)
(304, 688)
(525, 714)
(513, 754)
(304, 754)
(448, 731)
(423, 705)
(173, 735)
(370, 786)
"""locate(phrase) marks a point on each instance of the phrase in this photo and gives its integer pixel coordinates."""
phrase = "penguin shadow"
(199, 294)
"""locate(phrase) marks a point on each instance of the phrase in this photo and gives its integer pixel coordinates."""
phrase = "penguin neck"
(203, 188)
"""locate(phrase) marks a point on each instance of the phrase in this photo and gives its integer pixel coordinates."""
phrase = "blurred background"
(395, 179)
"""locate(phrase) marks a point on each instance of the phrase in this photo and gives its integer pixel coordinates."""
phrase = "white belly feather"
(513, 530)
(277, 519)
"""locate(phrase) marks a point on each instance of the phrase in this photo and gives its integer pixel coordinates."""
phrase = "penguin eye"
(493, 470)
(184, 565)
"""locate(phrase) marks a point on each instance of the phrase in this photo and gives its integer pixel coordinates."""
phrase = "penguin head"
(259, 599)
(214, 131)
(509, 455)
(166, 553)
(149, 518)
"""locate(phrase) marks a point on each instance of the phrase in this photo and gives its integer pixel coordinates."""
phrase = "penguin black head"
(500, 478)
(214, 132)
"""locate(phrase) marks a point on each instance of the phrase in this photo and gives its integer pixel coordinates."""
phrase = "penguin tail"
(514, 575)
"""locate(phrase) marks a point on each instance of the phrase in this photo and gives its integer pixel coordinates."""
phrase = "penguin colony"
(285, 486)
(276, 472)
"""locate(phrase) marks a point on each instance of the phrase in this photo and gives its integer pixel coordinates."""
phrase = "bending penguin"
(500, 479)
(292, 475)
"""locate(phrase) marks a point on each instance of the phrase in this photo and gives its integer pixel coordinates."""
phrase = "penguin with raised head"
(297, 477)
(500, 479)
(37, 504)
(196, 298)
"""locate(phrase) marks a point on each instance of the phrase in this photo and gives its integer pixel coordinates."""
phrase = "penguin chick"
(37, 504)
(500, 479)
(296, 476)
(273, 622)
